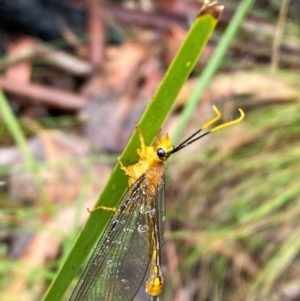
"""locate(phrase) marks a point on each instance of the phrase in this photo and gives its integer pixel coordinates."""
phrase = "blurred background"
(77, 75)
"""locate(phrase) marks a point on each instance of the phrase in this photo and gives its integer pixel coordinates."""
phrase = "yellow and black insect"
(129, 252)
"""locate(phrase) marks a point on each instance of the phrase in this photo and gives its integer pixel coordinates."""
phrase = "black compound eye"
(161, 153)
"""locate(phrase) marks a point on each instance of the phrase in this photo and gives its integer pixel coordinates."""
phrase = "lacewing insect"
(129, 252)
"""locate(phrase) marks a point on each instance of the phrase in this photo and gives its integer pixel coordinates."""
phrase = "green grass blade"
(15, 129)
(31, 164)
(150, 124)
(213, 64)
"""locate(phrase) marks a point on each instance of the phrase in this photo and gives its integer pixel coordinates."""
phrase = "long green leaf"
(213, 64)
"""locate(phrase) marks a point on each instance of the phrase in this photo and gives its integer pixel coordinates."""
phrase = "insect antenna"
(194, 137)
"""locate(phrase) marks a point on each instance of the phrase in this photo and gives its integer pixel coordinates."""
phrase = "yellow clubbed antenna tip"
(213, 120)
(221, 126)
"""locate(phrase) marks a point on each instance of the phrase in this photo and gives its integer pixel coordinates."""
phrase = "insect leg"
(140, 136)
(127, 171)
(103, 208)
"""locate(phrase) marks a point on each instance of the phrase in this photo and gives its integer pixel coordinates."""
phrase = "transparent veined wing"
(119, 263)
